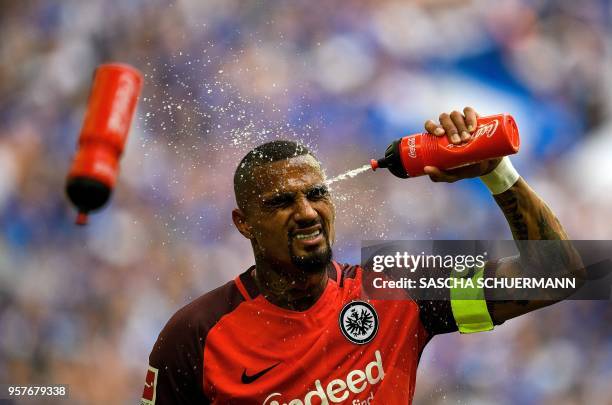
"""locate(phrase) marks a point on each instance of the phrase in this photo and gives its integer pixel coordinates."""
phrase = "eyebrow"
(278, 196)
(281, 196)
(318, 187)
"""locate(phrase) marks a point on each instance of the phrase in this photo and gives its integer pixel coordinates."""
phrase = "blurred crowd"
(83, 305)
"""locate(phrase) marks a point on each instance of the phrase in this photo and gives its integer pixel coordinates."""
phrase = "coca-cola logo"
(412, 147)
(487, 130)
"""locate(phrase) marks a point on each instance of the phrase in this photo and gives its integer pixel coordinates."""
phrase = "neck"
(290, 288)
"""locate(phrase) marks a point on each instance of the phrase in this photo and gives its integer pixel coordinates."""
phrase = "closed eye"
(317, 193)
(279, 201)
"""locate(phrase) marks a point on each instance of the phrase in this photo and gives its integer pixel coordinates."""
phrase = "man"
(296, 327)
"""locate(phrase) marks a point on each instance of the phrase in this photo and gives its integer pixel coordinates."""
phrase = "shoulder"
(176, 361)
(187, 329)
(199, 316)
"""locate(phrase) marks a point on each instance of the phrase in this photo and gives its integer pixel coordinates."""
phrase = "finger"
(459, 121)
(471, 117)
(465, 172)
(433, 128)
(474, 170)
(449, 128)
(436, 175)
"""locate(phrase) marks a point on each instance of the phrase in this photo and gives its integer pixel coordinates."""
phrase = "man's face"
(291, 214)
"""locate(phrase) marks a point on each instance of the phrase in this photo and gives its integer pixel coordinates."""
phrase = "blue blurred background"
(83, 306)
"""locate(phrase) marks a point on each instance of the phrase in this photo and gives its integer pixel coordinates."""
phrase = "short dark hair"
(262, 155)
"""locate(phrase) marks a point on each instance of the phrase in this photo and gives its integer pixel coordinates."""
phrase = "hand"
(458, 128)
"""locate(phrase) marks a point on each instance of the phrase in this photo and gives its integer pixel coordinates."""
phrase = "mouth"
(309, 236)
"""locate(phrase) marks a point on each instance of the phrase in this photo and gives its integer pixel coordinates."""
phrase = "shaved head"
(246, 180)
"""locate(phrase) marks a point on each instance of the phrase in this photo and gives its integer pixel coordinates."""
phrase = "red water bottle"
(495, 136)
(110, 109)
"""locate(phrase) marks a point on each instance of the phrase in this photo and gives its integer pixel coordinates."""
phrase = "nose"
(304, 211)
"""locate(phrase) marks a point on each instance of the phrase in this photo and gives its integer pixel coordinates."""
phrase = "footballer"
(296, 328)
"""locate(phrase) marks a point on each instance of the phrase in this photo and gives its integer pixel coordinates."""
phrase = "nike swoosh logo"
(247, 379)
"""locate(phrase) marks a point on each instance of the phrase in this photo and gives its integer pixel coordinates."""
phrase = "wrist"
(501, 178)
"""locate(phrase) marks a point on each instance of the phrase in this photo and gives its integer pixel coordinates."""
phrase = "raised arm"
(531, 219)
(528, 216)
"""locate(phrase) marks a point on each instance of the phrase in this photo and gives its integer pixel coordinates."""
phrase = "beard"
(315, 261)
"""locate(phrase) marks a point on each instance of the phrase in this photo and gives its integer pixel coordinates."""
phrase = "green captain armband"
(469, 305)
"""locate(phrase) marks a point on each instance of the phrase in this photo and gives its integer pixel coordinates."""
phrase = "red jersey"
(232, 346)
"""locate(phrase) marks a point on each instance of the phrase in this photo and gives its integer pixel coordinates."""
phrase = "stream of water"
(349, 174)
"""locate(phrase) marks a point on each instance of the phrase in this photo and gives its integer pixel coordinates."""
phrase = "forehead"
(289, 174)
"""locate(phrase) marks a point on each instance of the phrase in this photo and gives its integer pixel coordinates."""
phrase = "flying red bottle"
(111, 106)
(495, 136)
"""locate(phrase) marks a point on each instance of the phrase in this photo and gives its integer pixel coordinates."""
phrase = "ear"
(241, 224)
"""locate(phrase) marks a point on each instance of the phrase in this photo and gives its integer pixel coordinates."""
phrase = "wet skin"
(289, 220)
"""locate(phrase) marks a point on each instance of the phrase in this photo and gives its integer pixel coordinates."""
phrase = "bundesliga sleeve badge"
(148, 394)
(358, 322)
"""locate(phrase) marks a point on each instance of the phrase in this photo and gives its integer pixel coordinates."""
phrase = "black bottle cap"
(87, 195)
(392, 160)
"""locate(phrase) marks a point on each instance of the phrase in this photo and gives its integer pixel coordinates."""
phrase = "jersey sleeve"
(454, 310)
(446, 309)
(436, 316)
(176, 363)
(175, 373)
